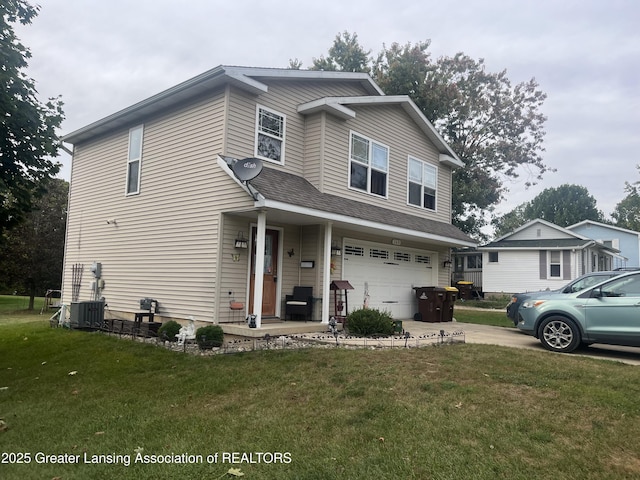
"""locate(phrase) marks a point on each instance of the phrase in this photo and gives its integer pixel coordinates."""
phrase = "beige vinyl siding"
(164, 244)
(314, 149)
(390, 126)
(284, 98)
(233, 276)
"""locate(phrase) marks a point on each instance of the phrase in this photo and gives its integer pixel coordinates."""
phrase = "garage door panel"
(387, 274)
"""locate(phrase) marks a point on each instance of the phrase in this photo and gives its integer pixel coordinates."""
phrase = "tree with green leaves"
(33, 251)
(627, 212)
(28, 138)
(345, 55)
(495, 128)
(564, 205)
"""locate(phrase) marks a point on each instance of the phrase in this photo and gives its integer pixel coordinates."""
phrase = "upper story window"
(134, 160)
(422, 184)
(270, 135)
(368, 165)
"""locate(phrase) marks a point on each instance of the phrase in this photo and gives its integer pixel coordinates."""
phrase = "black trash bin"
(465, 289)
(430, 303)
(451, 294)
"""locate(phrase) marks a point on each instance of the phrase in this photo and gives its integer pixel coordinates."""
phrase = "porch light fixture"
(335, 251)
(446, 263)
(241, 242)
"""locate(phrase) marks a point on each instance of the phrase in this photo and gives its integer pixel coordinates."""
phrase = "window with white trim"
(368, 165)
(134, 160)
(555, 264)
(422, 181)
(270, 126)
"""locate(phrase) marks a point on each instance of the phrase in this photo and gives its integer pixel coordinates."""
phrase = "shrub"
(169, 330)
(369, 321)
(209, 337)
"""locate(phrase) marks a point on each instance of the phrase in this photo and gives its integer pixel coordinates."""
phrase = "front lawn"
(440, 412)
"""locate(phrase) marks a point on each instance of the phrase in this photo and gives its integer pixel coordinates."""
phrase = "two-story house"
(625, 240)
(355, 185)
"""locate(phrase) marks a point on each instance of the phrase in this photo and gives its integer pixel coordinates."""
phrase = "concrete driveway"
(512, 337)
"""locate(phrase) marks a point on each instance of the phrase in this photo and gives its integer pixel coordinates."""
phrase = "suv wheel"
(559, 334)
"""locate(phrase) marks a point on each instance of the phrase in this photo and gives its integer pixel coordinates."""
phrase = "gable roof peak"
(542, 222)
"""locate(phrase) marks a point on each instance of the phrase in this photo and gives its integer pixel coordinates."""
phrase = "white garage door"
(387, 274)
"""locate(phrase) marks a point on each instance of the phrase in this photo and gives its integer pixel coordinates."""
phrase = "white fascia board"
(292, 74)
(247, 83)
(543, 222)
(449, 158)
(225, 167)
(335, 217)
(535, 249)
(324, 104)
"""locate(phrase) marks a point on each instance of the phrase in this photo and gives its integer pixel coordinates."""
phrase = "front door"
(269, 272)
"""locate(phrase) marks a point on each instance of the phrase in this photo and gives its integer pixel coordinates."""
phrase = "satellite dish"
(247, 169)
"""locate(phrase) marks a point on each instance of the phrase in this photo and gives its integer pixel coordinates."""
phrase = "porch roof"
(288, 192)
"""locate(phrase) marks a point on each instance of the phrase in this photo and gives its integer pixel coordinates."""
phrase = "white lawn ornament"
(187, 333)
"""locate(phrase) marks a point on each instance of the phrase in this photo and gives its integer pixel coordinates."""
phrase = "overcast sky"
(103, 56)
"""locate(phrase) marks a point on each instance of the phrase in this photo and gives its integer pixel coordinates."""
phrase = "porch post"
(259, 274)
(327, 272)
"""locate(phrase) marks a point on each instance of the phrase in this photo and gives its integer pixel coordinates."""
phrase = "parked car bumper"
(527, 317)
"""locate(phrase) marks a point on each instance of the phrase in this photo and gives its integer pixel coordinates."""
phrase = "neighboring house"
(355, 185)
(627, 241)
(467, 267)
(539, 256)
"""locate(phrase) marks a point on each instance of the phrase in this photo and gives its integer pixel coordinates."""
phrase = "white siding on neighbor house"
(164, 242)
(539, 231)
(519, 271)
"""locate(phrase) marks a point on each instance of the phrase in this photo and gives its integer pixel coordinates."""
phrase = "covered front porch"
(293, 235)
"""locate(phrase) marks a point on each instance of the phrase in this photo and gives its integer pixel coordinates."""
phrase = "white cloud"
(103, 56)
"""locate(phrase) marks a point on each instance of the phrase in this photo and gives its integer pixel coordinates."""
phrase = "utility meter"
(96, 269)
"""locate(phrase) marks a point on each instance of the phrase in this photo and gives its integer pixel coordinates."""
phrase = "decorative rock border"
(315, 340)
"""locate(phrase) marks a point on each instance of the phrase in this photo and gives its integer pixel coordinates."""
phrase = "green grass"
(483, 317)
(447, 412)
(13, 309)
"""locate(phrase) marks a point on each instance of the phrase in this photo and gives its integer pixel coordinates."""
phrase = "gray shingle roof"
(538, 244)
(291, 189)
